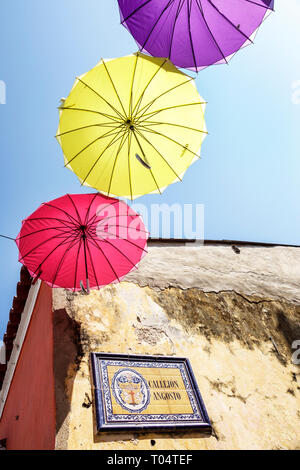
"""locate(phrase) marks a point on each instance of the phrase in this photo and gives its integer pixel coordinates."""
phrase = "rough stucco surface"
(268, 272)
(236, 332)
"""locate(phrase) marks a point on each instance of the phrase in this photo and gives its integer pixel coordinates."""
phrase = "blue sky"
(249, 175)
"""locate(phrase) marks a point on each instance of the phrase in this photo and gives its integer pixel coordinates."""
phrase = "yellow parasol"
(132, 126)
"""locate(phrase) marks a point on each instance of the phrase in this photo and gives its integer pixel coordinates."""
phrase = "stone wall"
(235, 316)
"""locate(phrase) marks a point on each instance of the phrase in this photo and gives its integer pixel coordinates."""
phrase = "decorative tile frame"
(106, 420)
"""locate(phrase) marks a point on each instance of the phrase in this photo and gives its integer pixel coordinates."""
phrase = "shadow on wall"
(151, 437)
(2, 353)
(67, 355)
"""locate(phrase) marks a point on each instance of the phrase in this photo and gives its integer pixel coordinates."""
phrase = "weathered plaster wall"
(234, 317)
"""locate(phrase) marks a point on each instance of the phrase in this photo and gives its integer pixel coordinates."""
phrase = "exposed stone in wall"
(238, 342)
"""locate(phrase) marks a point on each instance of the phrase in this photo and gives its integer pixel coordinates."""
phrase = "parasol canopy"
(193, 34)
(82, 241)
(132, 126)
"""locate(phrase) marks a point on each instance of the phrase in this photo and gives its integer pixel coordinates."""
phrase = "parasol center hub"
(130, 124)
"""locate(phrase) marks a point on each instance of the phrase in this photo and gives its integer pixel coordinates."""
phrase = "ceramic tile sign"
(146, 392)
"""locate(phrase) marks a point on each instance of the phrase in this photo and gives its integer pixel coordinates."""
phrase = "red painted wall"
(28, 419)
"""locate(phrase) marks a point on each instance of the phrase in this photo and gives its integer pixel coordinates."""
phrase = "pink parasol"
(82, 239)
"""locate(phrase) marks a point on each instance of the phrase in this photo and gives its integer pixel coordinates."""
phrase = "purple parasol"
(193, 33)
